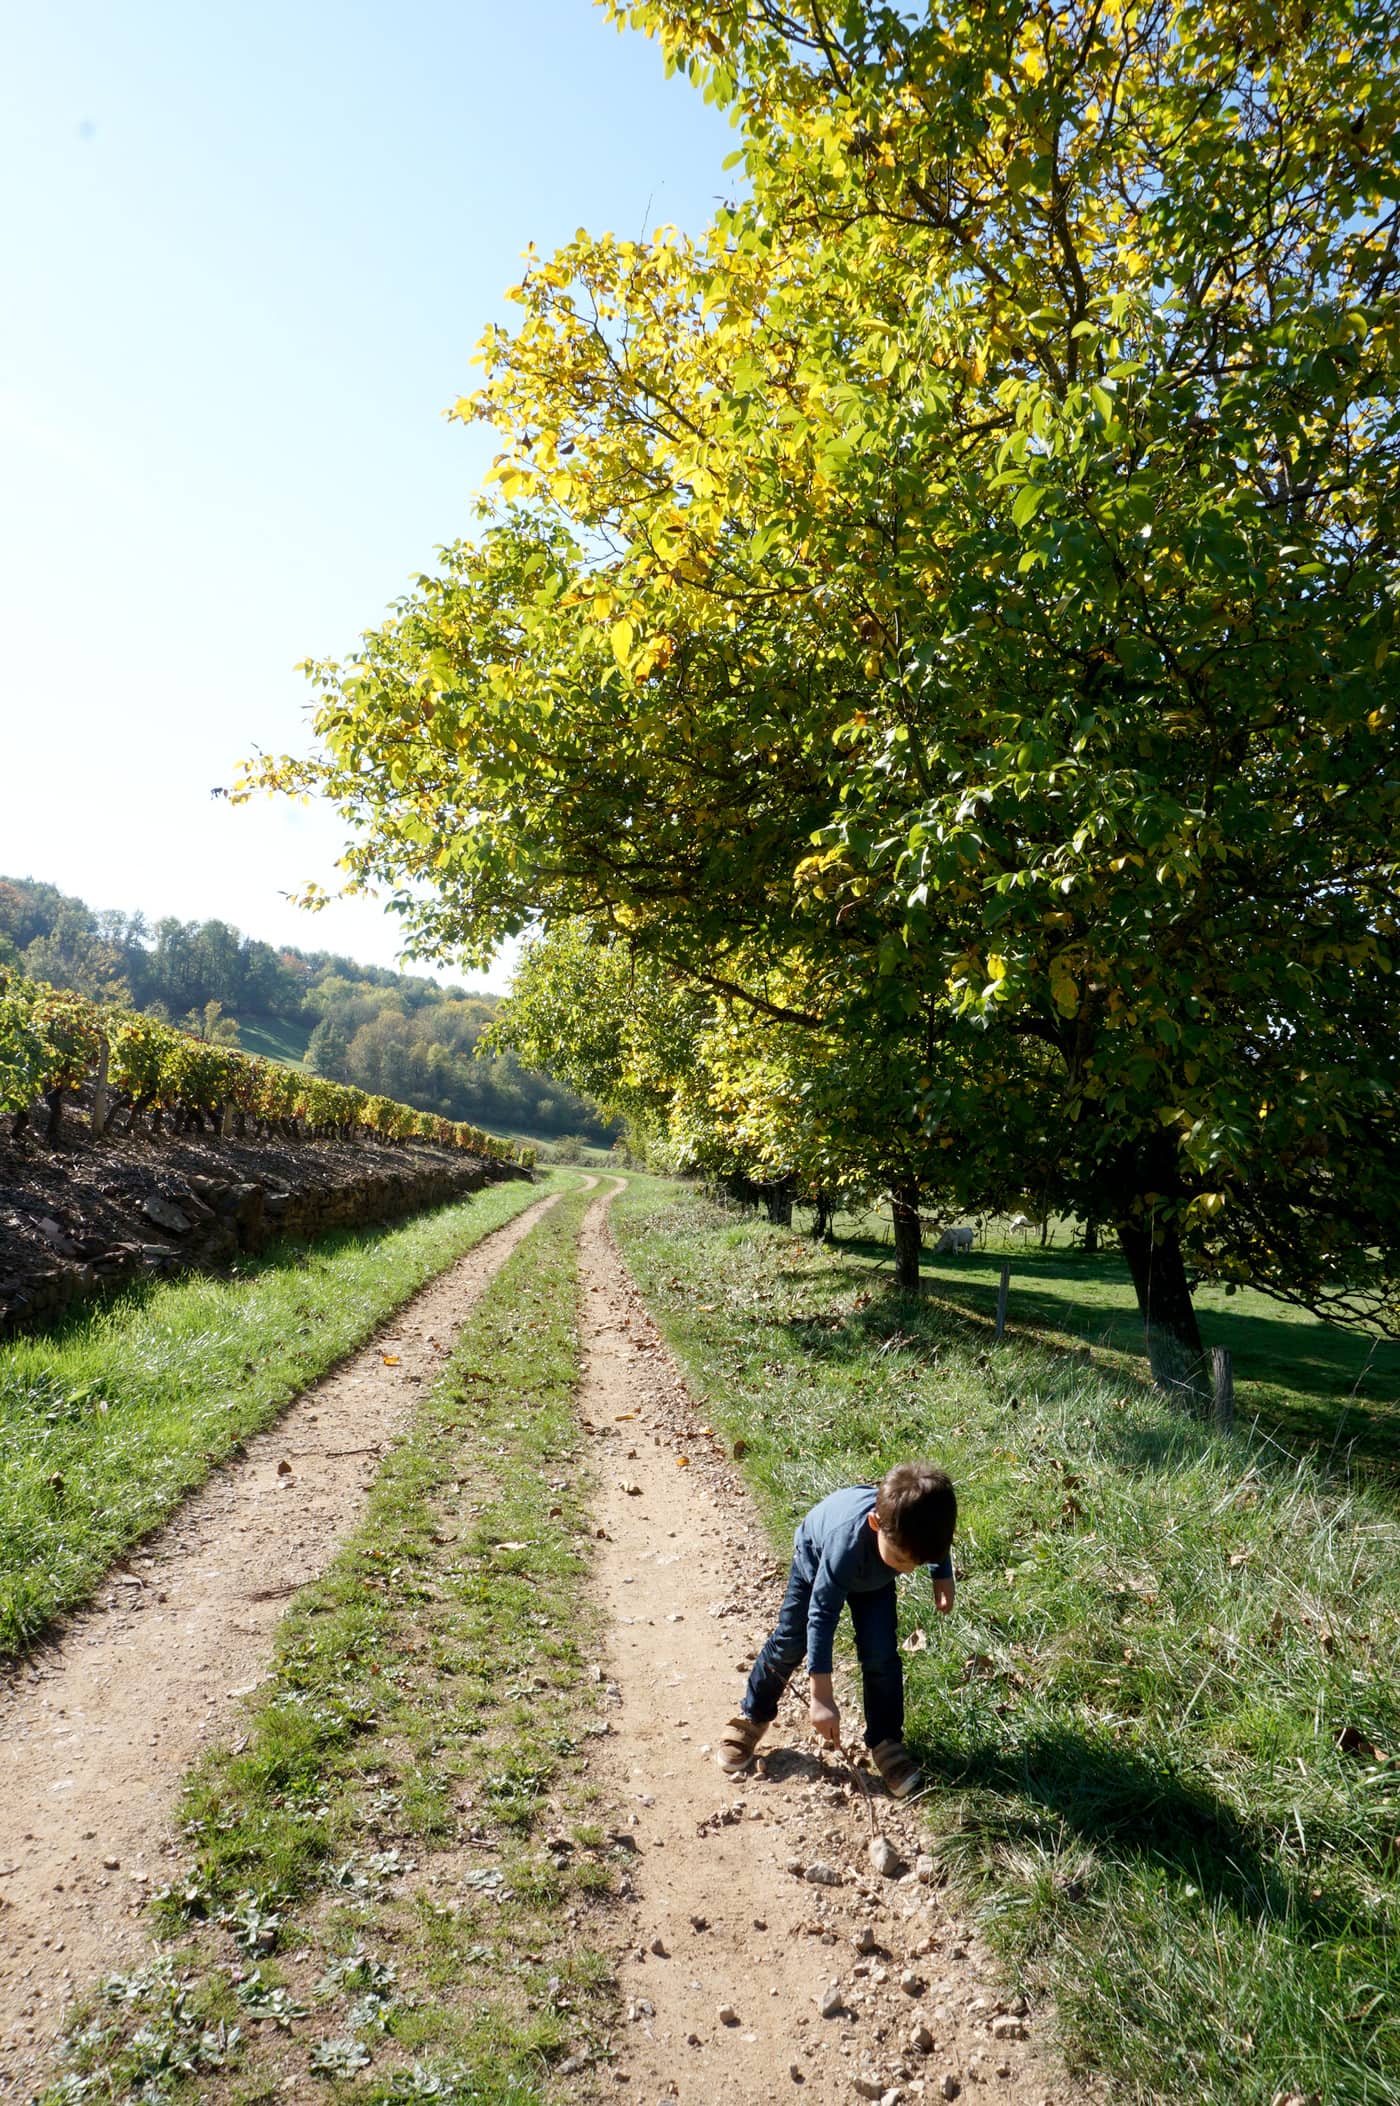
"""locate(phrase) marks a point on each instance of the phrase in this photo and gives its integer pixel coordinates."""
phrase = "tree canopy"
(943, 614)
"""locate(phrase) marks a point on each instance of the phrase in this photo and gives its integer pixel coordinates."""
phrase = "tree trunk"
(777, 1199)
(1164, 1301)
(908, 1240)
(1091, 1239)
(821, 1217)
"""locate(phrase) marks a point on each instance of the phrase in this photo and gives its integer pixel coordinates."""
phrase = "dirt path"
(753, 1905)
(97, 1733)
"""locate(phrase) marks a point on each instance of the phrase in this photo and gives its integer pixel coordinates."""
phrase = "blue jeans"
(876, 1621)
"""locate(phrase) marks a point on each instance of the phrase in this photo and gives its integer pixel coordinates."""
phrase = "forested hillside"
(394, 1034)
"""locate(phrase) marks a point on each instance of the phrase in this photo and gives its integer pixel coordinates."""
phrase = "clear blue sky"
(250, 248)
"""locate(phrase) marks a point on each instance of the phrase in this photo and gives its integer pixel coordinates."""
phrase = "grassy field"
(370, 1899)
(1305, 1382)
(109, 1420)
(274, 1038)
(1161, 1722)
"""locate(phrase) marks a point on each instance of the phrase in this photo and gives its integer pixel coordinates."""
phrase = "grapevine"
(51, 1040)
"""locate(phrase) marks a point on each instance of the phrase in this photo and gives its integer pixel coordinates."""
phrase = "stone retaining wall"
(173, 1221)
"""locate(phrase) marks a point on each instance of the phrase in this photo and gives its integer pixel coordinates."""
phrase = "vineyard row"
(54, 1042)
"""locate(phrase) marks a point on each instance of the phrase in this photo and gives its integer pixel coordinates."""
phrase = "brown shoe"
(737, 1743)
(900, 1773)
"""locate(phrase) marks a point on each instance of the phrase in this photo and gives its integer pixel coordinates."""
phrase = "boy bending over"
(849, 1549)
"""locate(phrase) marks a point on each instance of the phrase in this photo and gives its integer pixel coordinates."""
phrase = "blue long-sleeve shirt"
(838, 1552)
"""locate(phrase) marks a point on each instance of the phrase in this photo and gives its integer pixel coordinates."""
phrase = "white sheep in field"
(952, 1241)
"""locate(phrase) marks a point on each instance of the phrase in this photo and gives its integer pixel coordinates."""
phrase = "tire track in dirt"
(747, 1901)
(98, 1730)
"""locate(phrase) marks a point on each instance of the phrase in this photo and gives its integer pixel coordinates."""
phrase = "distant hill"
(396, 1033)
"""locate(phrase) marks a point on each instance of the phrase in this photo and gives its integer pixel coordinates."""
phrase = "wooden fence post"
(100, 1098)
(1222, 1382)
(1002, 1292)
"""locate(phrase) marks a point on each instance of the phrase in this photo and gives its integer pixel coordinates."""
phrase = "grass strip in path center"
(1163, 1721)
(108, 1421)
(382, 1885)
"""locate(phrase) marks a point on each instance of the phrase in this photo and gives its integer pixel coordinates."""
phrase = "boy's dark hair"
(918, 1507)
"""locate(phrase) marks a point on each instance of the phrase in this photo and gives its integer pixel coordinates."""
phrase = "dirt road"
(755, 1907)
(97, 1732)
(764, 1953)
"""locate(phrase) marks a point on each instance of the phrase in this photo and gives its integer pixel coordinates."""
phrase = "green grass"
(274, 1038)
(109, 1420)
(1304, 1381)
(367, 1887)
(1161, 1722)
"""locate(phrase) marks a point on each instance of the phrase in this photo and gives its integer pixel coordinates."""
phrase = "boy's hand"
(821, 1708)
(943, 1591)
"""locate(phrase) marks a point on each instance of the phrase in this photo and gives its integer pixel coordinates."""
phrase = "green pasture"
(1161, 1723)
(1312, 1385)
(274, 1038)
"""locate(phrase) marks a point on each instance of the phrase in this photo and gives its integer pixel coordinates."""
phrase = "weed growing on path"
(1163, 1722)
(383, 1884)
(109, 1421)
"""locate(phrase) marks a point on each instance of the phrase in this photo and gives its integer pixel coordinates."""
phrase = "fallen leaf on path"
(682, 1462)
(390, 1359)
(619, 1416)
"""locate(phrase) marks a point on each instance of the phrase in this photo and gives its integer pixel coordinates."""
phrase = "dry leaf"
(682, 1462)
(1239, 1557)
(619, 1416)
(633, 1491)
(916, 1642)
(390, 1359)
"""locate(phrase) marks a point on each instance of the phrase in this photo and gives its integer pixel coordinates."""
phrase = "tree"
(328, 1051)
(209, 1023)
(968, 571)
(72, 954)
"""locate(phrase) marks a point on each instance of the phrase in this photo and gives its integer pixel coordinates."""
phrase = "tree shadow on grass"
(1122, 1803)
(1318, 1414)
